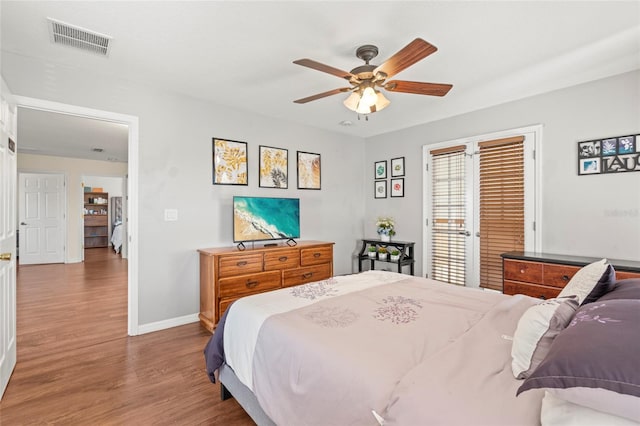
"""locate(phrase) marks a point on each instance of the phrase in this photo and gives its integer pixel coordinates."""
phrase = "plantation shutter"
(501, 205)
(448, 215)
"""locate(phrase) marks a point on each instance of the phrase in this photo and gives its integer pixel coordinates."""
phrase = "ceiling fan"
(365, 80)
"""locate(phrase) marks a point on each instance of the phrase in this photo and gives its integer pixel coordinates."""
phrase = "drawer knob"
(316, 255)
(542, 297)
(283, 258)
(241, 263)
(307, 275)
(522, 270)
(565, 277)
(252, 284)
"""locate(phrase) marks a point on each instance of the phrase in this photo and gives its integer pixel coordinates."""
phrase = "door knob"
(22, 223)
(5, 256)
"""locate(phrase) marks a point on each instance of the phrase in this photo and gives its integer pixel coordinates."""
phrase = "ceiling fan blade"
(310, 63)
(322, 95)
(433, 89)
(410, 54)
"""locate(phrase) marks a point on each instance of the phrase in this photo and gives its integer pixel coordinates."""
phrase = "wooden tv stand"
(227, 274)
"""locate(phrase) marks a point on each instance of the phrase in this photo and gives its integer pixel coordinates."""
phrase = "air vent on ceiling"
(80, 38)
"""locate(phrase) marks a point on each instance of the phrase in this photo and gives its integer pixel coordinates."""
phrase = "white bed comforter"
(333, 351)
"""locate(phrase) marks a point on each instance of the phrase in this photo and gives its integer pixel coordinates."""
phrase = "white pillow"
(558, 412)
(536, 329)
(590, 282)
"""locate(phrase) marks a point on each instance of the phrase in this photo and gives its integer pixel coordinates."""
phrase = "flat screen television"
(263, 219)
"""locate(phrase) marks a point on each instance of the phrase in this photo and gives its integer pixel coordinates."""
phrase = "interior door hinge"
(534, 225)
(533, 153)
(426, 167)
(426, 222)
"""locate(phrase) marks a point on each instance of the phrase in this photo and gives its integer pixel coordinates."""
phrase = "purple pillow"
(594, 361)
(623, 289)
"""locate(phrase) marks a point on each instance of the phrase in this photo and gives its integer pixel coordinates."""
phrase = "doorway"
(132, 187)
(482, 198)
(41, 218)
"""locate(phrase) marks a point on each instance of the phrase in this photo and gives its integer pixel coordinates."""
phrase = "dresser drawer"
(558, 275)
(239, 265)
(317, 255)
(518, 270)
(623, 275)
(95, 220)
(533, 290)
(306, 275)
(249, 284)
(281, 259)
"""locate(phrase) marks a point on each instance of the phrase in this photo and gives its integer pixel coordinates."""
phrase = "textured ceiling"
(240, 54)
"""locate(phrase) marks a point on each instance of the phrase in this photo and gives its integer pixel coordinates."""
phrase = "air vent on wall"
(80, 38)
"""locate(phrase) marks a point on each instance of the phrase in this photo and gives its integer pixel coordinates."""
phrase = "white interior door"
(7, 241)
(41, 214)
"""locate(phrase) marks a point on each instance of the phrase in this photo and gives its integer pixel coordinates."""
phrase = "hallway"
(76, 364)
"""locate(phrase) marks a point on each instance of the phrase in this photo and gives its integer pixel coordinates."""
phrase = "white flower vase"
(372, 254)
(385, 238)
(394, 258)
(382, 256)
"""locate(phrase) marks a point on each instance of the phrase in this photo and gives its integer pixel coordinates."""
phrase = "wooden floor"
(77, 366)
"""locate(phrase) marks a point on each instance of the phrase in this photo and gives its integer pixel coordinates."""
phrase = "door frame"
(534, 225)
(132, 189)
(64, 206)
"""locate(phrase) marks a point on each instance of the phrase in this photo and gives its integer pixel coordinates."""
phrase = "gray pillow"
(536, 330)
(590, 282)
(594, 362)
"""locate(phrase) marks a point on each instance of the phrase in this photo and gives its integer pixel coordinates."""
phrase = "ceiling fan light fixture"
(363, 103)
(352, 101)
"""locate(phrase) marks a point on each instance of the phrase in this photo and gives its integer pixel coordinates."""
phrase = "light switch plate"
(170, 215)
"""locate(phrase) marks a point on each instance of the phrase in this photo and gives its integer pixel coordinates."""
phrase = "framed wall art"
(229, 162)
(397, 167)
(609, 155)
(397, 187)
(308, 170)
(274, 167)
(380, 189)
(380, 169)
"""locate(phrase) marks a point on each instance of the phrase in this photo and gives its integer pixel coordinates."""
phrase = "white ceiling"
(239, 54)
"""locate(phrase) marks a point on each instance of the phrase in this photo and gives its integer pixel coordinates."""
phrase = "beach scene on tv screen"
(258, 218)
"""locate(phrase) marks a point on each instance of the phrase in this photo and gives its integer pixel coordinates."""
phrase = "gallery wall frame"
(309, 170)
(616, 154)
(397, 187)
(397, 167)
(380, 169)
(230, 161)
(273, 167)
(380, 189)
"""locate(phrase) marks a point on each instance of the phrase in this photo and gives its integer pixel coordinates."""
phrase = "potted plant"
(372, 251)
(386, 228)
(382, 253)
(394, 255)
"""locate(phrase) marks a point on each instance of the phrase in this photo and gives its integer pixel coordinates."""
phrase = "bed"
(378, 348)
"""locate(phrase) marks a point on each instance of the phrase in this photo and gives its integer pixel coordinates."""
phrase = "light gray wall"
(175, 172)
(596, 215)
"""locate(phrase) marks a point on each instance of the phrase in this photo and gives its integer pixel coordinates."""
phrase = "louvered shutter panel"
(448, 215)
(501, 205)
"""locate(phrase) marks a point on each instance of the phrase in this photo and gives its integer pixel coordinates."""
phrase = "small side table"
(404, 247)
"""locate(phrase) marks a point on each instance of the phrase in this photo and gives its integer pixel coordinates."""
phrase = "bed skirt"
(230, 384)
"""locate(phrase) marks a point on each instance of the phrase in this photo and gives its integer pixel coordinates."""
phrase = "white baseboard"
(168, 323)
(73, 260)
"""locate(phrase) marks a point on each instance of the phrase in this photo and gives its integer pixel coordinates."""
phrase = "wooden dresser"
(226, 274)
(545, 275)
